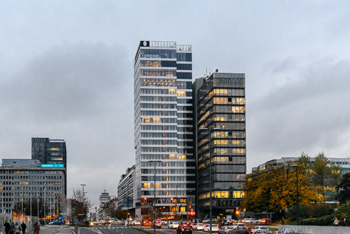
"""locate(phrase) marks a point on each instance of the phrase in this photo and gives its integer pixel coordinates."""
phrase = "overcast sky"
(66, 71)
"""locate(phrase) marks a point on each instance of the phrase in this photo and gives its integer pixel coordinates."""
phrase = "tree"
(344, 189)
(83, 205)
(120, 214)
(321, 173)
(274, 188)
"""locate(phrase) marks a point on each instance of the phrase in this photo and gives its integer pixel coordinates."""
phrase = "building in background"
(50, 151)
(126, 191)
(163, 128)
(220, 116)
(28, 180)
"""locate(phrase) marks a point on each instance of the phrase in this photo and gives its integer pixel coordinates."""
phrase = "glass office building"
(163, 128)
(221, 138)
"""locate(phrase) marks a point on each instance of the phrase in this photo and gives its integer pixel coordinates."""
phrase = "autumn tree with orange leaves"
(274, 188)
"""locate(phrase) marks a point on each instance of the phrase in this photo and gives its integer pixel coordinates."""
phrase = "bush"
(322, 221)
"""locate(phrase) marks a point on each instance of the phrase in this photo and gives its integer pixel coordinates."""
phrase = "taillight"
(183, 229)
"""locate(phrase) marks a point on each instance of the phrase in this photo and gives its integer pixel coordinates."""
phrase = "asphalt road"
(119, 229)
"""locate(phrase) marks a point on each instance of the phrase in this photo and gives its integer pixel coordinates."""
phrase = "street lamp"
(83, 185)
(154, 186)
(210, 130)
(297, 211)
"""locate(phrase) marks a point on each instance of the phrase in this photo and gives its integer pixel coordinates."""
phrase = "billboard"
(52, 165)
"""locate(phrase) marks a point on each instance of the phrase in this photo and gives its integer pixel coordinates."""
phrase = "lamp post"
(210, 131)
(83, 185)
(154, 198)
(297, 181)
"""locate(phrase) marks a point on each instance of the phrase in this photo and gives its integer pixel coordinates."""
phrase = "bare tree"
(84, 204)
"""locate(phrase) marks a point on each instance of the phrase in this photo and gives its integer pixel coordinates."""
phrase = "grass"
(141, 230)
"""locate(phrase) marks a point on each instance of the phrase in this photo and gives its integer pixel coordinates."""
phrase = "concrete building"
(27, 180)
(220, 142)
(163, 128)
(126, 191)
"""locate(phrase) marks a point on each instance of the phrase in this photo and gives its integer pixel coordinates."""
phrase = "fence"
(317, 229)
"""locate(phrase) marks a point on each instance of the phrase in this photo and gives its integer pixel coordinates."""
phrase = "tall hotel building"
(219, 101)
(163, 128)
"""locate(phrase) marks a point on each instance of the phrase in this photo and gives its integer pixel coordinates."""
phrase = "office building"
(28, 180)
(126, 191)
(219, 101)
(163, 128)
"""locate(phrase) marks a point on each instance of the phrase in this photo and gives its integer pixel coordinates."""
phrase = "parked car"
(157, 223)
(257, 229)
(57, 222)
(240, 230)
(236, 225)
(214, 228)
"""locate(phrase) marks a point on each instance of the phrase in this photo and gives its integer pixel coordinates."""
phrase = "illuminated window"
(181, 93)
(183, 209)
(238, 194)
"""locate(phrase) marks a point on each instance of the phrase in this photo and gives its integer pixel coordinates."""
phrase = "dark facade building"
(219, 101)
(50, 151)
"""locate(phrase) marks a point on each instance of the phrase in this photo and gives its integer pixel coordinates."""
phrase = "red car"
(146, 223)
(265, 220)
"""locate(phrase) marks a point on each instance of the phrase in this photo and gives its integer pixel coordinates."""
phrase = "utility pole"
(83, 185)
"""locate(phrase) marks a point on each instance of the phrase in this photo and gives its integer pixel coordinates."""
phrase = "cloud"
(309, 113)
(79, 92)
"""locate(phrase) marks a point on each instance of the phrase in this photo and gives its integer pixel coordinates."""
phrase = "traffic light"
(191, 212)
(237, 212)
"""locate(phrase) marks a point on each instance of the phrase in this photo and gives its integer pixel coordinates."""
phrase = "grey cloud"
(309, 113)
(67, 82)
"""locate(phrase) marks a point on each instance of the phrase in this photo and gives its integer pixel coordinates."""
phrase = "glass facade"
(220, 121)
(163, 127)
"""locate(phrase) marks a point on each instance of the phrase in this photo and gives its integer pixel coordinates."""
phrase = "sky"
(66, 72)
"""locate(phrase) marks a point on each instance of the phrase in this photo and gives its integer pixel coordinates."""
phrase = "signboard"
(56, 140)
(52, 165)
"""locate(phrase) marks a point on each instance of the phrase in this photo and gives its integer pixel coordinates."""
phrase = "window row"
(154, 53)
(157, 106)
(168, 171)
(157, 99)
(158, 142)
(158, 127)
(222, 194)
(185, 122)
(223, 185)
(184, 108)
(158, 149)
(158, 135)
(185, 115)
(162, 156)
(185, 143)
(168, 178)
(183, 94)
(222, 118)
(184, 57)
(157, 72)
(183, 85)
(168, 164)
(185, 136)
(158, 82)
(184, 101)
(158, 113)
(164, 185)
(157, 91)
(185, 129)
(222, 160)
(157, 63)
(165, 193)
(180, 66)
(184, 75)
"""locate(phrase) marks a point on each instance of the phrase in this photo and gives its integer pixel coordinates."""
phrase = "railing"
(184, 47)
(171, 44)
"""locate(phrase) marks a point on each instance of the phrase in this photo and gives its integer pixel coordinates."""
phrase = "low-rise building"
(126, 189)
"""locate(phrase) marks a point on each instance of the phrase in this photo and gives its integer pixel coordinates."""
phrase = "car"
(225, 229)
(58, 222)
(157, 223)
(239, 230)
(184, 229)
(199, 226)
(236, 225)
(257, 229)
(264, 220)
(286, 231)
(214, 228)
(173, 224)
(146, 223)
(137, 222)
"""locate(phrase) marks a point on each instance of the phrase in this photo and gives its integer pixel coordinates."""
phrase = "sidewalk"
(49, 229)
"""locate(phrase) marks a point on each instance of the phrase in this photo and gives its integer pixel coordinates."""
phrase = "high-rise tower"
(219, 102)
(163, 128)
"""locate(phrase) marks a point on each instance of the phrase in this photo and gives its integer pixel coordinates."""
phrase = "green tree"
(321, 173)
(343, 189)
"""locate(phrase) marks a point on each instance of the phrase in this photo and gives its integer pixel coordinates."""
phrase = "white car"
(173, 224)
(214, 228)
(238, 225)
(199, 226)
(262, 228)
